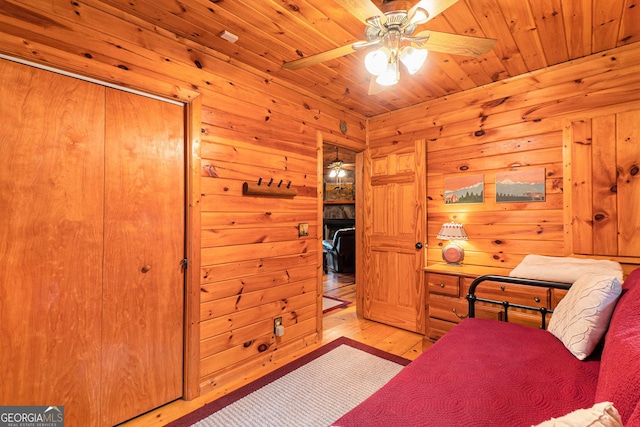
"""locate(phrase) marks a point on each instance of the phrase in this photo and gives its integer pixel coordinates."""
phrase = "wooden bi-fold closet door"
(143, 292)
(91, 244)
(51, 220)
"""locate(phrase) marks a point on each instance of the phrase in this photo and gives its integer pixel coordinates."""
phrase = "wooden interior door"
(51, 211)
(395, 224)
(143, 251)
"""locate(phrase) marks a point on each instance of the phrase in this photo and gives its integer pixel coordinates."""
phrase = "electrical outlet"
(278, 327)
(303, 229)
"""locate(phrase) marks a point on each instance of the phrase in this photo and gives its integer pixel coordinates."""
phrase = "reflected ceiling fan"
(337, 167)
(393, 32)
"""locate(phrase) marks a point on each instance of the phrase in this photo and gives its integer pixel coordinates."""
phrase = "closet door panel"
(144, 246)
(51, 217)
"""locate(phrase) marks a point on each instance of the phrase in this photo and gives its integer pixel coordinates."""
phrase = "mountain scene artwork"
(464, 189)
(521, 186)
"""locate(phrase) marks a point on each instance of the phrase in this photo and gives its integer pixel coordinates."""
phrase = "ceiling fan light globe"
(413, 58)
(390, 77)
(376, 61)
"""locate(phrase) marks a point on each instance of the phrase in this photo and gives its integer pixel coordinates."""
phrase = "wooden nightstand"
(447, 305)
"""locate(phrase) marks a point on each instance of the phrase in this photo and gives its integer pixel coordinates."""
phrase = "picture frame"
(521, 186)
(464, 189)
(340, 191)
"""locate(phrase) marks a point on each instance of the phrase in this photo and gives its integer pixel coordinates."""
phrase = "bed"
(494, 373)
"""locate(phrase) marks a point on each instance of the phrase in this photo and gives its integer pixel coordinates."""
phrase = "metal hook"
(280, 183)
(259, 180)
(270, 182)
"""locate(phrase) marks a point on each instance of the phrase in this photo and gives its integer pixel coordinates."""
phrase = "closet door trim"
(90, 79)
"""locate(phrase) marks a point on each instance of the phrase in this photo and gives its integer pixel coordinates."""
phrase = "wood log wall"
(254, 266)
(520, 123)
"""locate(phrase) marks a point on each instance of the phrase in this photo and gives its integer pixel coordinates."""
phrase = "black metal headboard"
(472, 298)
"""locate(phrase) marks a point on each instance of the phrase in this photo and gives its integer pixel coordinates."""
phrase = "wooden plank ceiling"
(531, 34)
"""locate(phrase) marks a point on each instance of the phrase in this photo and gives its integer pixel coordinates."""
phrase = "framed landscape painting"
(464, 189)
(521, 186)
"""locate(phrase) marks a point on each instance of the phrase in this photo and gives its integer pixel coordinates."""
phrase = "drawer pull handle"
(536, 299)
(502, 288)
(442, 285)
(457, 315)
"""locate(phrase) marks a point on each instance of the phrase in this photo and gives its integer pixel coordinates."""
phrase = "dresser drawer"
(556, 296)
(447, 308)
(437, 328)
(528, 318)
(515, 294)
(443, 284)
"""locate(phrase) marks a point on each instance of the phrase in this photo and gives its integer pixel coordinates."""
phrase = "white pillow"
(563, 269)
(599, 415)
(582, 316)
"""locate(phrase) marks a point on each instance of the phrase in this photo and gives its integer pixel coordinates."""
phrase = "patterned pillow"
(599, 415)
(582, 316)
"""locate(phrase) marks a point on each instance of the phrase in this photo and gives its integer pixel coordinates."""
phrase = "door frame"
(359, 221)
(193, 234)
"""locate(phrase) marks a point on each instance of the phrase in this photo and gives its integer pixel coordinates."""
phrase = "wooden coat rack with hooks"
(269, 189)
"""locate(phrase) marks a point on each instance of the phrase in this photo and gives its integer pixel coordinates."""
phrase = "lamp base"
(453, 254)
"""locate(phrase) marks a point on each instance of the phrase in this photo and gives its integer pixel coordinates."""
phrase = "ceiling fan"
(393, 32)
(337, 166)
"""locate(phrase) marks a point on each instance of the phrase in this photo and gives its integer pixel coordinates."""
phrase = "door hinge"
(185, 263)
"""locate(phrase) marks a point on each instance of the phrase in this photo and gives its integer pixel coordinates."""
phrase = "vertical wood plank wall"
(522, 122)
(606, 148)
(254, 267)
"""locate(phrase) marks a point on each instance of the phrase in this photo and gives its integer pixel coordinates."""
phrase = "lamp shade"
(452, 231)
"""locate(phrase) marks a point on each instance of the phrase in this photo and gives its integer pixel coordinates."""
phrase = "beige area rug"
(314, 390)
(331, 303)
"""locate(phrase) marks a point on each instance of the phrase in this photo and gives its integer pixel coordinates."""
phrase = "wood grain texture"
(51, 209)
(178, 51)
(582, 187)
(273, 116)
(628, 189)
(336, 324)
(604, 183)
(394, 223)
(521, 124)
(144, 226)
(193, 247)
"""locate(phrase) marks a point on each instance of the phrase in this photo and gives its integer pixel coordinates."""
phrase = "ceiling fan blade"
(319, 57)
(433, 8)
(329, 54)
(455, 44)
(362, 9)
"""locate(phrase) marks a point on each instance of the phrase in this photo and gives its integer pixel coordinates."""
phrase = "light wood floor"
(337, 323)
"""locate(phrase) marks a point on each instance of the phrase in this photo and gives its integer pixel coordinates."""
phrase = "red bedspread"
(483, 373)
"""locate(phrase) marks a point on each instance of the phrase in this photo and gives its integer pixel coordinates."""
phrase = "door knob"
(418, 245)
(146, 268)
